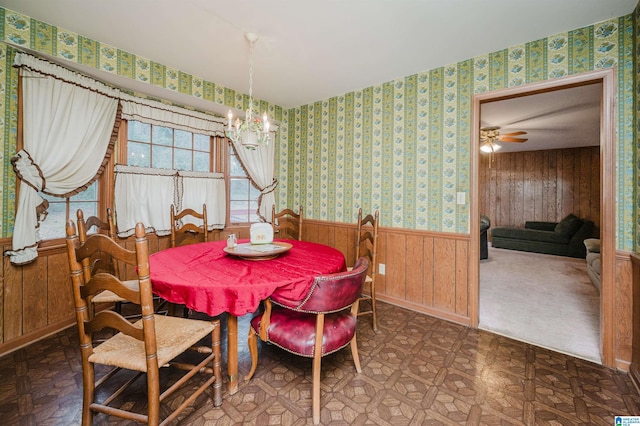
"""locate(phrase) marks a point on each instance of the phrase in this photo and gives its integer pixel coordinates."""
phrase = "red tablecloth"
(206, 279)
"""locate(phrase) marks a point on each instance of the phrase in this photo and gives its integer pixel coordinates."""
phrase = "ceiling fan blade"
(508, 139)
(514, 133)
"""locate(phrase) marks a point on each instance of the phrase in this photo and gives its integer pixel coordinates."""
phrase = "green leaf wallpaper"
(400, 146)
(403, 146)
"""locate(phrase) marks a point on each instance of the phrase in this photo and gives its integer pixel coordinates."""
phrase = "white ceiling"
(564, 118)
(313, 50)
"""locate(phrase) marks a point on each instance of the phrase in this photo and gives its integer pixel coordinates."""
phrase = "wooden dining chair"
(323, 322)
(186, 228)
(367, 246)
(287, 224)
(102, 261)
(144, 347)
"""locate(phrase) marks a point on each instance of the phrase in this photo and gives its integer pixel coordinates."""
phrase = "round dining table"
(212, 279)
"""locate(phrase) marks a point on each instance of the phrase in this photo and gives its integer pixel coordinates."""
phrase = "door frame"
(607, 194)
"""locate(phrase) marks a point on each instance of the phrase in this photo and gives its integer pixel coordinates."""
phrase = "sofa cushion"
(569, 225)
(530, 235)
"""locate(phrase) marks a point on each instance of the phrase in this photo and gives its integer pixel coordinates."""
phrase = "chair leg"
(252, 342)
(354, 353)
(373, 306)
(317, 358)
(217, 364)
(88, 392)
(315, 397)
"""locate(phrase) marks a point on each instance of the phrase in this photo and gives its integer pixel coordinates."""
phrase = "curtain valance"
(133, 107)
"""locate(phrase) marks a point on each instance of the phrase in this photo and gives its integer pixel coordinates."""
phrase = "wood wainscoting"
(425, 271)
(36, 299)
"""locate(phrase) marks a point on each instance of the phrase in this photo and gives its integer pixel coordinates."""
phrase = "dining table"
(212, 278)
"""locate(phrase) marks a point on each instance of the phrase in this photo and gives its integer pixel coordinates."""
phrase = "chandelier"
(251, 132)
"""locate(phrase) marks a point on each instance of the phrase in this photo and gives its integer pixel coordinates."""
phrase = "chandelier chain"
(250, 80)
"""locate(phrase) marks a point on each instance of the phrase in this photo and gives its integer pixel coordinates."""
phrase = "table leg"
(232, 353)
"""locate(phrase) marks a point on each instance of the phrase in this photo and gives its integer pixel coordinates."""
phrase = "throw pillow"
(569, 225)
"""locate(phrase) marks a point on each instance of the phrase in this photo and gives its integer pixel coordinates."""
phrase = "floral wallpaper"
(400, 146)
(403, 146)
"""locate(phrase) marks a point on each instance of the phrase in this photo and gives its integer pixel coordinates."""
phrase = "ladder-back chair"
(367, 246)
(287, 224)
(144, 347)
(186, 228)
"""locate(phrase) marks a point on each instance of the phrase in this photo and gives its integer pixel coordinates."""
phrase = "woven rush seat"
(174, 335)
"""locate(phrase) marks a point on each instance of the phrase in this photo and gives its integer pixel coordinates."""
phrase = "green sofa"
(564, 238)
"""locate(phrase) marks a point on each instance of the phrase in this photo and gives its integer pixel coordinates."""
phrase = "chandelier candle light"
(251, 132)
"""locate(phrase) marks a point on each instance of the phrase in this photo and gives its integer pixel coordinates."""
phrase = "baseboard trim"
(27, 339)
(435, 312)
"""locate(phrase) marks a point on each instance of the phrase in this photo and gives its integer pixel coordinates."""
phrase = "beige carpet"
(544, 300)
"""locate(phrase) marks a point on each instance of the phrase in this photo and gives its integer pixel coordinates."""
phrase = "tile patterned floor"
(417, 370)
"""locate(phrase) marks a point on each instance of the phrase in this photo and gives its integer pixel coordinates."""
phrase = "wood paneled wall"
(540, 186)
(425, 272)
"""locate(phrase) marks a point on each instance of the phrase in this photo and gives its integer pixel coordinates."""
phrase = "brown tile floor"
(417, 370)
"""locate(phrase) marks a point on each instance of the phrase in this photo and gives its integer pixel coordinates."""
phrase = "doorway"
(607, 191)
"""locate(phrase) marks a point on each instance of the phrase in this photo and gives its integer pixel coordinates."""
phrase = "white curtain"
(67, 137)
(200, 188)
(259, 164)
(145, 195)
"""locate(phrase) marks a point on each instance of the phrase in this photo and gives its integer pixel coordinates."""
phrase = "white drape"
(259, 164)
(145, 195)
(67, 130)
(204, 188)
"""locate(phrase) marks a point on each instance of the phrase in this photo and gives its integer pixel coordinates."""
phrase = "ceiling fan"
(490, 135)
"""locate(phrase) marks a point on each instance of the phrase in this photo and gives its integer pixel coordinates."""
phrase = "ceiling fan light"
(496, 147)
(485, 147)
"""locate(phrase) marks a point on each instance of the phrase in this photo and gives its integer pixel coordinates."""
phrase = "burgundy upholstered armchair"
(318, 325)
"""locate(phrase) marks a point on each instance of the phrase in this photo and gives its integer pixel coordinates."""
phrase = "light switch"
(461, 198)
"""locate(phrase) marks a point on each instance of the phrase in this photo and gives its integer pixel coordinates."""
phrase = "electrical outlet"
(381, 268)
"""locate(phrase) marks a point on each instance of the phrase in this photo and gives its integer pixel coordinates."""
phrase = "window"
(166, 148)
(243, 196)
(62, 208)
(160, 147)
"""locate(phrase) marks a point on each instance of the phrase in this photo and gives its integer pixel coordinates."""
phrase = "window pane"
(139, 154)
(239, 189)
(182, 139)
(238, 212)
(138, 131)
(162, 135)
(161, 157)
(253, 208)
(235, 167)
(88, 208)
(200, 161)
(182, 159)
(201, 142)
(253, 193)
(90, 194)
(54, 224)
